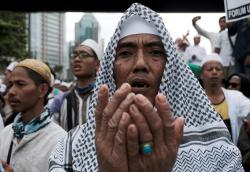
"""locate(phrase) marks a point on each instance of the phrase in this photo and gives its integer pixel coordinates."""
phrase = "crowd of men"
(146, 104)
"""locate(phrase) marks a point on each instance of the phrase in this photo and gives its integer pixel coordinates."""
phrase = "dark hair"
(221, 18)
(38, 79)
(244, 83)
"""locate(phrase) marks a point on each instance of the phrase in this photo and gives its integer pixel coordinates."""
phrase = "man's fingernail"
(102, 89)
(130, 95)
(140, 98)
(161, 98)
(132, 128)
(124, 86)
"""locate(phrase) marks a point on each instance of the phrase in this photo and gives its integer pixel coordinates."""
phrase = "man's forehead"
(235, 77)
(19, 71)
(141, 38)
(19, 74)
(83, 48)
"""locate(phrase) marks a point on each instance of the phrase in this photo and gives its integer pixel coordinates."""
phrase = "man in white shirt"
(220, 42)
(224, 47)
(195, 53)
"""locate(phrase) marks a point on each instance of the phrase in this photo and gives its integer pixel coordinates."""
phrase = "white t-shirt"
(196, 50)
(225, 47)
(1, 122)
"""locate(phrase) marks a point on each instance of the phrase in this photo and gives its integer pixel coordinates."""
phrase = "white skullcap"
(211, 57)
(197, 36)
(66, 84)
(94, 46)
(11, 66)
(136, 25)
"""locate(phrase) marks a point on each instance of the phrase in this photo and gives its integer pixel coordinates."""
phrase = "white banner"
(237, 9)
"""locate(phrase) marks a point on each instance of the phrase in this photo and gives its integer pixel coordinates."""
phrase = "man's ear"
(97, 66)
(43, 89)
(200, 76)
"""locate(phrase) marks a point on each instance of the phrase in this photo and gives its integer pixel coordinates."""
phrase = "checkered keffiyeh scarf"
(206, 145)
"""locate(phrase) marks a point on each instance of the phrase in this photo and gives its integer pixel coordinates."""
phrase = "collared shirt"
(32, 152)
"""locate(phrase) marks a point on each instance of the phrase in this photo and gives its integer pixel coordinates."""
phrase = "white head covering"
(211, 57)
(206, 144)
(94, 46)
(11, 66)
(136, 25)
(197, 36)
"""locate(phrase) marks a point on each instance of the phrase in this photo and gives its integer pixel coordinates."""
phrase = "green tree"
(13, 35)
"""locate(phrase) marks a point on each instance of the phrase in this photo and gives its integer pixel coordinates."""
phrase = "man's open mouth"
(139, 85)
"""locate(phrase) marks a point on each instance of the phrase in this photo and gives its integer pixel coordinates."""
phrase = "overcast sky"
(176, 23)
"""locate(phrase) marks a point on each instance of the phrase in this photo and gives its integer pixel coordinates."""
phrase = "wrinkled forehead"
(144, 39)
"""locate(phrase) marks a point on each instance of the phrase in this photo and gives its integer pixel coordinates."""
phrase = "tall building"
(87, 27)
(47, 38)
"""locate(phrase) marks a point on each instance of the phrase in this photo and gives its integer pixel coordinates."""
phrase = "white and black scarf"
(206, 144)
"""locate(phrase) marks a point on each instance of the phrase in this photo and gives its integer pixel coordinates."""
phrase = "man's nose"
(77, 58)
(12, 90)
(215, 70)
(141, 63)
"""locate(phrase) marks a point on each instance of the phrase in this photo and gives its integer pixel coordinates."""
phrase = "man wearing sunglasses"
(84, 62)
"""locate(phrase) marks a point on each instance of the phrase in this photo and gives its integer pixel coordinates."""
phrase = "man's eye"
(157, 53)
(10, 84)
(20, 84)
(124, 54)
(218, 69)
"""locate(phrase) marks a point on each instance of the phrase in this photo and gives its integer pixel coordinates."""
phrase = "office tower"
(87, 27)
(47, 37)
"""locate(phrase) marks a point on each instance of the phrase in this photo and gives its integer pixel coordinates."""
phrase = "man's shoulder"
(233, 92)
(235, 95)
(60, 98)
(55, 130)
(6, 130)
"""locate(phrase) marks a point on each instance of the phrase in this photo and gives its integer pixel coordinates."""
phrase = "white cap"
(136, 25)
(11, 66)
(94, 46)
(211, 57)
(66, 84)
(197, 36)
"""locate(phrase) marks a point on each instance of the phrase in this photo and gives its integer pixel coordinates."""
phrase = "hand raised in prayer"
(153, 126)
(112, 121)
